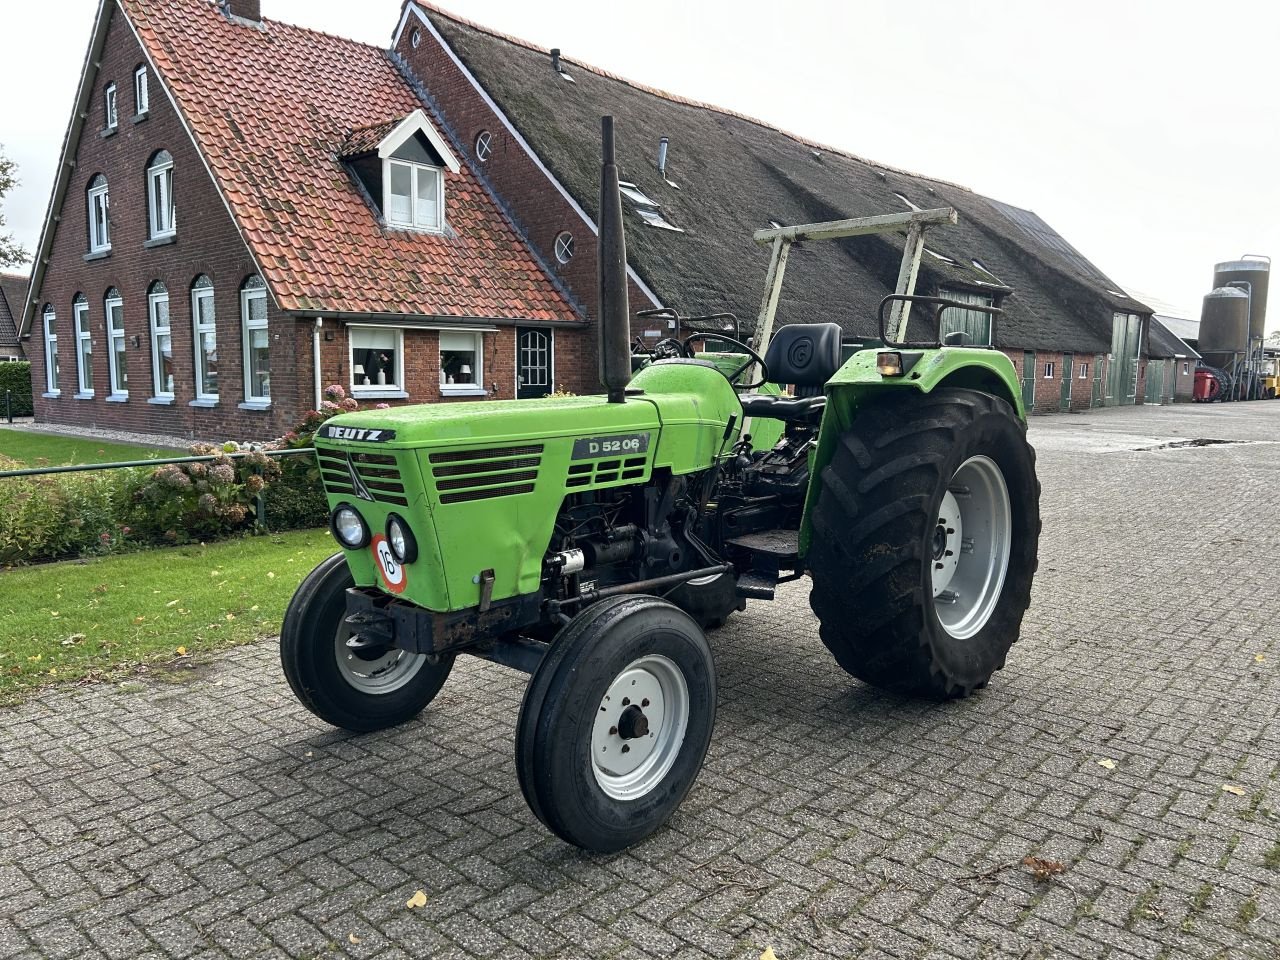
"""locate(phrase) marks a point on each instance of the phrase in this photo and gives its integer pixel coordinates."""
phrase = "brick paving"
(219, 819)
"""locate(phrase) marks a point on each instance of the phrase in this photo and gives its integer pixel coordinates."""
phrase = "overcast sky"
(1143, 132)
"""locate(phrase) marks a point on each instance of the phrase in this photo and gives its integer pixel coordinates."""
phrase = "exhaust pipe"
(611, 262)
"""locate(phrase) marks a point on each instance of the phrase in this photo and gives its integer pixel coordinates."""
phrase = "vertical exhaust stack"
(611, 264)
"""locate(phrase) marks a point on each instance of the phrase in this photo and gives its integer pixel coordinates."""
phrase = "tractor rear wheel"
(616, 722)
(356, 689)
(924, 542)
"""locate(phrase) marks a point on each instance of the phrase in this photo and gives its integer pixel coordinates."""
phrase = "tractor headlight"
(403, 546)
(348, 527)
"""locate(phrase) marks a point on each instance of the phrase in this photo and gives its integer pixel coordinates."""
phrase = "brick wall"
(539, 210)
(206, 243)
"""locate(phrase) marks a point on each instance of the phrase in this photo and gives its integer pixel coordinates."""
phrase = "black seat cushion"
(805, 355)
(789, 409)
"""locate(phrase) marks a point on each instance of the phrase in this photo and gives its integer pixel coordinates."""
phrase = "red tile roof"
(271, 110)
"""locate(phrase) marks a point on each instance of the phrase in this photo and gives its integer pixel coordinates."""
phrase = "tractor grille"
(463, 475)
(378, 474)
(605, 471)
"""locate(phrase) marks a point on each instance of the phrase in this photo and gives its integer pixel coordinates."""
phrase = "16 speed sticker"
(393, 572)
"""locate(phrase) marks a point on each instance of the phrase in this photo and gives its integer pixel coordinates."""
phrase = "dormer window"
(414, 195)
(401, 164)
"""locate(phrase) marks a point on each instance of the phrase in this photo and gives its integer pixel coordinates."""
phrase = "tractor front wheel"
(360, 690)
(616, 722)
(924, 542)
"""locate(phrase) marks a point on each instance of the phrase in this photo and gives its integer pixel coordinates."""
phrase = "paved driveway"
(220, 819)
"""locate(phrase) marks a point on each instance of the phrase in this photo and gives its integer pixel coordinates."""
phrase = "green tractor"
(591, 540)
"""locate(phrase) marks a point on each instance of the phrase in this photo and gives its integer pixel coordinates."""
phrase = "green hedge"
(15, 376)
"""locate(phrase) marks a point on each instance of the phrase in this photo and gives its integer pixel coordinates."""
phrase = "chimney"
(250, 10)
(555, 59)
(662, 156)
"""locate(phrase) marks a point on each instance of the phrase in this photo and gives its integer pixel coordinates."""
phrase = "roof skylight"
(938, 256)
(654, 219)
(636, 195)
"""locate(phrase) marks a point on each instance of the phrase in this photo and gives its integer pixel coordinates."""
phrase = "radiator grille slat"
(378, 472)
(462, 476)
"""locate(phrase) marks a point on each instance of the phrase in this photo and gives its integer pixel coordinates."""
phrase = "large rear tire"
(924, 542)
(616, 722)
(357, 690)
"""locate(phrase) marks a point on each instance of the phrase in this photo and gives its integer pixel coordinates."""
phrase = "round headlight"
(403, 546)
(348, 527)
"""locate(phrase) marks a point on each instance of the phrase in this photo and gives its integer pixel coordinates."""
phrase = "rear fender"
(858, 382)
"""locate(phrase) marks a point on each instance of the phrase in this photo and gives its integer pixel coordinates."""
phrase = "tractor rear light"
(403, 544)
(889, 364)
(348, 527)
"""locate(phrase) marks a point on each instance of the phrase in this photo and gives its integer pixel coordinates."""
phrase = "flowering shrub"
(185, 501)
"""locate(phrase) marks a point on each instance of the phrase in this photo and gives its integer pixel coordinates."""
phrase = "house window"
(109, 103)
(99, 216)
(415, 38)
(160, 195)
(84, 345)
(377, 360)
(1084, 371)
(141, 95)
(414, 195)
(113, 308)
(161, 341)
(1186, 369)
(461, 362)
(205, 336)
(564, 246)
(1048, 370)
(484, 145)
(51, 350)
(257, 357)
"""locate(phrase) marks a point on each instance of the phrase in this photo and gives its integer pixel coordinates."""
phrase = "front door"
(1028, 380)
(1068, 369)
(533, 362)
(1097, 380)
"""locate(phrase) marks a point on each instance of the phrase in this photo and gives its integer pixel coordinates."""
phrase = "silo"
(1256, 272)
(1224, 326)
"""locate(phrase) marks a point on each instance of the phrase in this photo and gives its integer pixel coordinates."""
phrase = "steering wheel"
(667, 348)
(752, 357)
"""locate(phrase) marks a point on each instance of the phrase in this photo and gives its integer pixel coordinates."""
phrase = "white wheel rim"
(628, 766)
(378, 675)
(971, 540)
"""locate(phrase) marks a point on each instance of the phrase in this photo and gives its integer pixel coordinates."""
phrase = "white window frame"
(416, 170)
(160, 390)
(166, 225)
(563, 246)
(51, 353)
(119, 383)
(395, 390)
(84, 348)
(99, 239)
(474, 389)
(1186, 368)
(249, 294)
(111, 106)
(484, 146)
(197, 329)
(141, 92)
(1048, 369)
(1084, 371)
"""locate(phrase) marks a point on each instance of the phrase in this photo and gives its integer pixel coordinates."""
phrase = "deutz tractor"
(590, 541)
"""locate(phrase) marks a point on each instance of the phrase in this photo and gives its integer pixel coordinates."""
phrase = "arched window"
(257, 354)
(205, 337)
(113, 311)
(51, 351)
(160, 195)
(484, 145)
(84, 346)
(99, 216)
(161, 343)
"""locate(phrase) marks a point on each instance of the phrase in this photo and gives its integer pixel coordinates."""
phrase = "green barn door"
(1068, 370)
(1029, 379)
(1097, 380)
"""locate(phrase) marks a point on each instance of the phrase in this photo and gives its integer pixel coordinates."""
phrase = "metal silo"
(1255, 271)
(1224, 326)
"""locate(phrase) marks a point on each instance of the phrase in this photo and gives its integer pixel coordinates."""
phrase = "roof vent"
(250, 10)
(663, 144)
(555, 65)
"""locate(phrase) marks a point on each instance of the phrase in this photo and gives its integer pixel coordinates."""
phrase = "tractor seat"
(805, 355)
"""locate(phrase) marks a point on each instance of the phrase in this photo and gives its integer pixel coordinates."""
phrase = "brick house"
(701, 180)
(13, 294)
(246, 211)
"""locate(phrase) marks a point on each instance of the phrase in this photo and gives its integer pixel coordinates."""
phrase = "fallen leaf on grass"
(182, 651)
(419, 899)
(72, 640)
(1234, 789)
(1041, 869)
(1108, 763)
(172, 603)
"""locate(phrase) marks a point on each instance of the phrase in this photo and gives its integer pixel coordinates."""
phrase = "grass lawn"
(101, 619)
(28, 447)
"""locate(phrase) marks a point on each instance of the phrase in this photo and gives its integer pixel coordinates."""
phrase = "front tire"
(358, 691)
(616, 722)
(925, 535)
